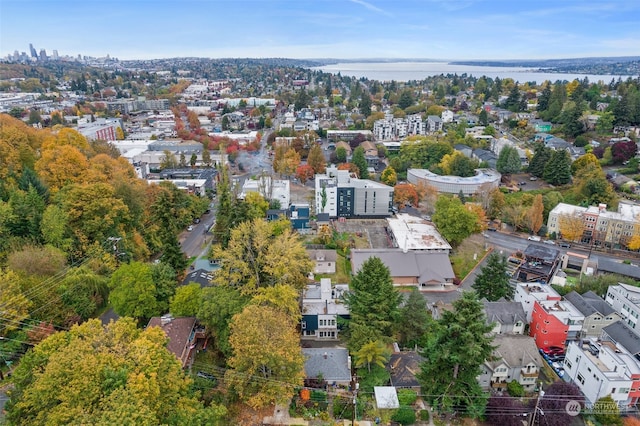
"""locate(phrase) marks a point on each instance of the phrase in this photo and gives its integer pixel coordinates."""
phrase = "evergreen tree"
(360, 162)
(508, 161)
(458, 347)
(540, 159)
(406, 99)
(483, 117)
(222, 228)
(373, 304)
(558, 168)
(413, 320)
(365, 104)
(545, 97)
(513, 101)
(493, 282)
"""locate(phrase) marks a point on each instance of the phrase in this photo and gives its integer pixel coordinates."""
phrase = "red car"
(553, 350)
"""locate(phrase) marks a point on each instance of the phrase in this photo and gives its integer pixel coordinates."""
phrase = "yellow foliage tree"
(267, 361)
(478, 211)
(534, 214)
(571, 227)
(62, 166)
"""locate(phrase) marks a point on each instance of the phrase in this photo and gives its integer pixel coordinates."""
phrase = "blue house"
(299, 215)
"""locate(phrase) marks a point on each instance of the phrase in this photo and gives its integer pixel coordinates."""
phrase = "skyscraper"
(33, 51)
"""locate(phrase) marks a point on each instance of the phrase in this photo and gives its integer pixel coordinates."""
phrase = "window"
(568, 364)
(581, 379)
(303, 325)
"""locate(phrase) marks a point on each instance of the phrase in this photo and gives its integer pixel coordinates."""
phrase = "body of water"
(405, 71)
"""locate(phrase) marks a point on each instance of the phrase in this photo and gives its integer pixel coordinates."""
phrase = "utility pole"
(535, 410)
(354, 386)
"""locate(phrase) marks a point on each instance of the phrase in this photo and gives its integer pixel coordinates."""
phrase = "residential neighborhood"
(298, 247)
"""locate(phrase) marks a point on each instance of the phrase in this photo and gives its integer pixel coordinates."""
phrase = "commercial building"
(340, 194)
(600, 227)
(484, 180)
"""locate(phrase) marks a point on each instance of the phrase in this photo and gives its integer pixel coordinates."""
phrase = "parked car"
(533, 238)
(550, 242)
(564, 245)
(553, 350)
(533, 178)
(190, 228)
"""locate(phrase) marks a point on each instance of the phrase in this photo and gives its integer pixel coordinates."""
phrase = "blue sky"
(437, 29)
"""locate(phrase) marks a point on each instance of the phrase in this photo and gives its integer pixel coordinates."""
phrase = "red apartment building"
(546, 328)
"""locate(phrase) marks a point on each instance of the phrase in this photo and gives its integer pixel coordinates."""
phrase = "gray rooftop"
(612, 266)
(589, 304)
(425, 266)
(504, 312)
(516, 350)
(332, 363)
(624, 336)
(541, 252)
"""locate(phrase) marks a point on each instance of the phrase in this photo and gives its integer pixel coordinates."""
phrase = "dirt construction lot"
(373, 230)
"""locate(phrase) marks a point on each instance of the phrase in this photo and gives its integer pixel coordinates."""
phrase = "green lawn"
(343, 271)
(462, 258)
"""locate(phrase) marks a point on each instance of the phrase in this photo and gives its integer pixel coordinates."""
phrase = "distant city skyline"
(341, 29)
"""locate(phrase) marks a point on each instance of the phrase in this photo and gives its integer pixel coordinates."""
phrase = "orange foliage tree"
(405, 193)
(304, 172)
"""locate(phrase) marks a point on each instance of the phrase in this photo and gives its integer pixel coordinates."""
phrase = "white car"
(533, 238)
(190, 228)
(551, 243)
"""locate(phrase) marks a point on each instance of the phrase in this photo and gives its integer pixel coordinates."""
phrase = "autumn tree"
(15, 305)
(95, 374)
(493, 283)
(459, 345)
(256, 257)
(389, 176)
(592, 186)
(453, 220)
(405, 193)
(571, 226)
(496, 203)
(257, 206)
(304, 173)
(534, 214)
(515, 215)
(61, 166)
(316, 159)
(264, 370)
(583, 161)
(373, 304)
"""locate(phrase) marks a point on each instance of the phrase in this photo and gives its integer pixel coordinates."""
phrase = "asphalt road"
(194, 242)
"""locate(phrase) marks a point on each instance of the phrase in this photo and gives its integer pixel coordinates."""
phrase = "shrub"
(407, 397)
(515, 389)
(404, 416)
(424, 415)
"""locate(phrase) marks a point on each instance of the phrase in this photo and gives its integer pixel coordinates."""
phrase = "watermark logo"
(572, 408)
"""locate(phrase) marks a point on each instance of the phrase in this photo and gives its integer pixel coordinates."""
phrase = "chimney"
(325, 355)
(602, 207)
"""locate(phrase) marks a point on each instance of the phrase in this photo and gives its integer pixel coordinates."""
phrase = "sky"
(341, 29)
